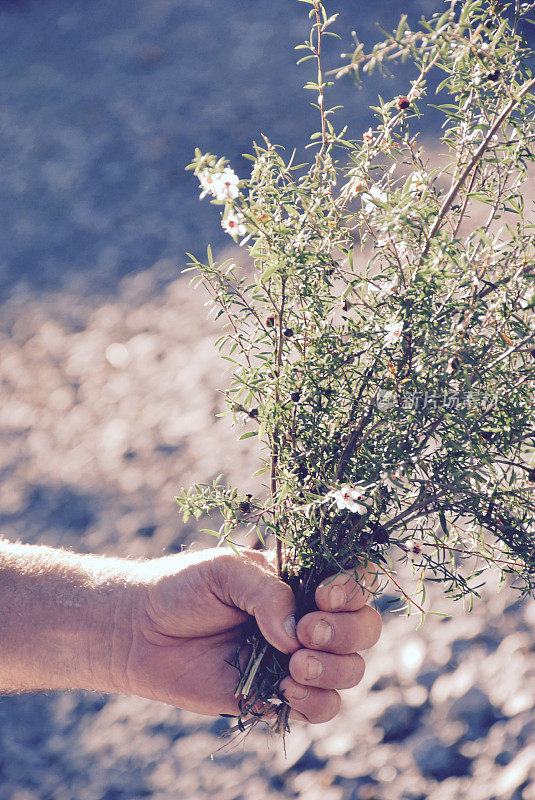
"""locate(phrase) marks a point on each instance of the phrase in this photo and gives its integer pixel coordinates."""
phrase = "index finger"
(344, 592)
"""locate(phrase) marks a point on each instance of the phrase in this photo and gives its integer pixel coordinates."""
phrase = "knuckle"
(297, 666)
(258, 558)
(224, 561)
(374, 625)
(325, 710)
(378, 626)
(323, 707)
(304, 630)
(358, 667)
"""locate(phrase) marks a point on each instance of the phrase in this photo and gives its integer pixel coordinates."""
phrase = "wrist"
(66, 619)
(108, 627)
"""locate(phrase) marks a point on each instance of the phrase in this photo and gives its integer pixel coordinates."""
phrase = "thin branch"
(445, 207)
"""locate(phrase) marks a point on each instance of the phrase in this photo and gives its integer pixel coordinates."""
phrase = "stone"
(309, 761)
(436, 760)
(427, 676)
(503, 758)
(527, 732)
(364, 788)
(399, 721)
(146, 531)
(475, 711)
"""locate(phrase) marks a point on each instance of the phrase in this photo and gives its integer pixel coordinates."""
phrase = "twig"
(472, 163)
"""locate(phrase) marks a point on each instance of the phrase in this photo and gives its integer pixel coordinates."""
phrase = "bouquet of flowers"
(382, 346)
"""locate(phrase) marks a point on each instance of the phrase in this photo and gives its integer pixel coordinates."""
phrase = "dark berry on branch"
(416, 549)
(531, 475)
(487, 435)
(253, 413)
(244, 507)
(248, 496)
(403, 103)
(295, 396)
(270, 321)
(453, 364)
(493, 76)
(288, 332)
(532, 352)
(328, 391)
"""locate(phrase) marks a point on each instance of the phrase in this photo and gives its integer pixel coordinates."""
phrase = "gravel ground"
(109, 389)
(107, 408)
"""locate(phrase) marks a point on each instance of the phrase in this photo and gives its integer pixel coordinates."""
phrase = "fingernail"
(297, 692)
(289, 626)
(337, 597)
(322, 633)
(314, 668)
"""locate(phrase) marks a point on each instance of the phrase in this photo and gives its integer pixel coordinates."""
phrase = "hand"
(186, 625)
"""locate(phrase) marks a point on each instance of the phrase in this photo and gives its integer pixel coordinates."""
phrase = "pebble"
(398, 722)
(476, 711)
(438, 761)
(365, 788)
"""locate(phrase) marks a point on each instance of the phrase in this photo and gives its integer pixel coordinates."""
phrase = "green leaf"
(247, 435)
(269, 272)
(259, 472)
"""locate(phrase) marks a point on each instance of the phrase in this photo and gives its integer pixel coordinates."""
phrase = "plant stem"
(472, 163)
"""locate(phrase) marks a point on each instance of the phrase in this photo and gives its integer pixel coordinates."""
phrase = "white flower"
(221, 185)
(414, 546)
(226, 184)
(347, 498)
(402, 250)
(417, 184)
(233, 223)
(394, 331)
(386, 288)
(356, 183)
(369, 198)
(368, 135)
(206, 179)
(301, 238)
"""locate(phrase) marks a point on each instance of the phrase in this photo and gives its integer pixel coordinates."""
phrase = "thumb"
(250, 587)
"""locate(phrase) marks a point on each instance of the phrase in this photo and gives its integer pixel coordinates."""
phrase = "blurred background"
(109, 387)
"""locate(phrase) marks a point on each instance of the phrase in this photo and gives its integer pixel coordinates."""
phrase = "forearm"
(64, 618)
